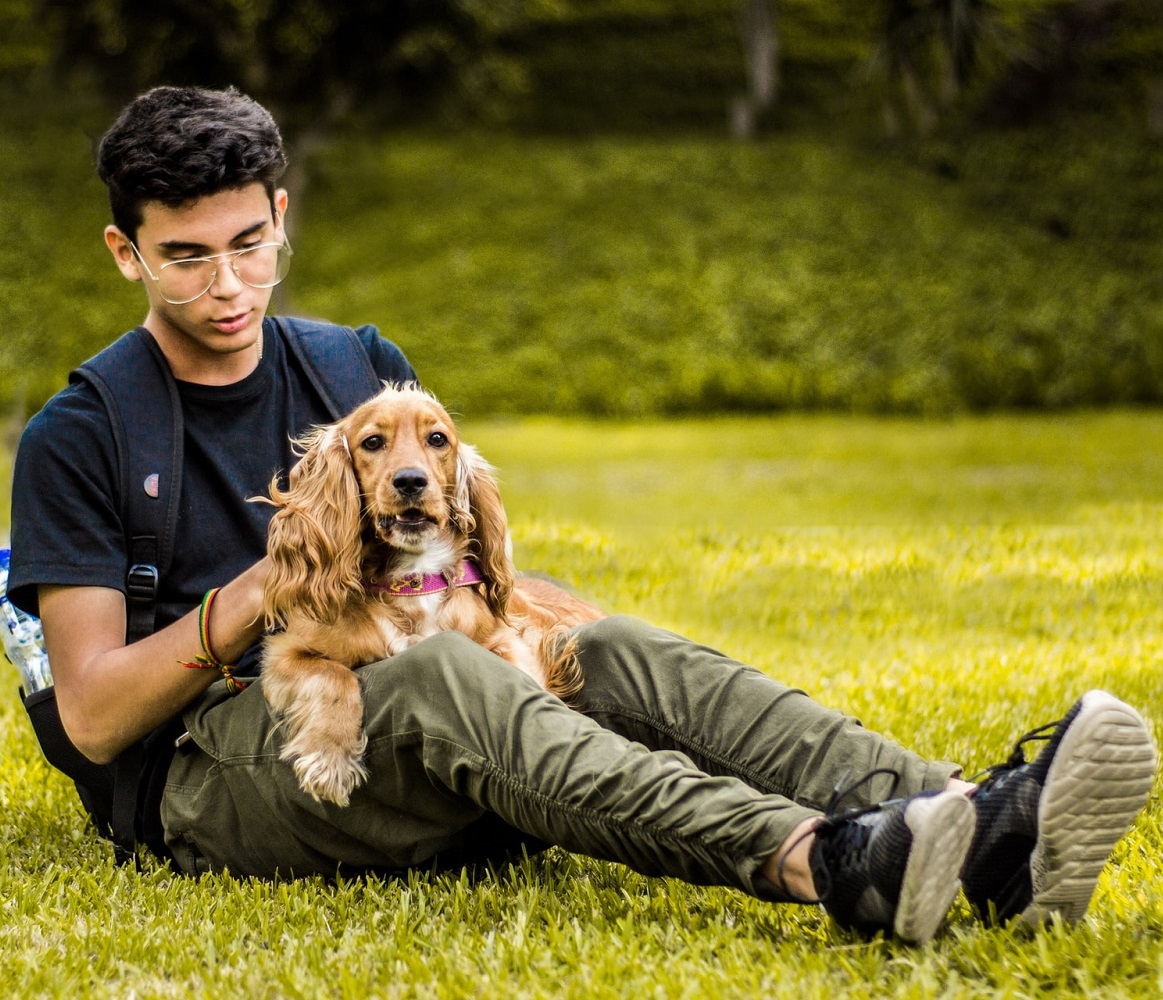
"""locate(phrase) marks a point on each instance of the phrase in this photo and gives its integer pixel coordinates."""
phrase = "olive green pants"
(681, 762)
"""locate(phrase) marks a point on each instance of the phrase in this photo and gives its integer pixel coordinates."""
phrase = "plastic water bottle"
(23, 638)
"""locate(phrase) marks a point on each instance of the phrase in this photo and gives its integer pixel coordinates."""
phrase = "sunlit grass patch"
(952, 584)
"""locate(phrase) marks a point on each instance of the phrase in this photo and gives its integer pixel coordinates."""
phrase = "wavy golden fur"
(387, 492)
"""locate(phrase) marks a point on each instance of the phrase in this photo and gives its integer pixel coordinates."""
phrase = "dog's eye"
(373, 443)
(437, 440)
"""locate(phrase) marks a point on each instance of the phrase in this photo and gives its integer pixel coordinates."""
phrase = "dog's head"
(389, 486)
(403, 447)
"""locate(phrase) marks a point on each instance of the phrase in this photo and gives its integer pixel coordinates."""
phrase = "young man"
(681, 761)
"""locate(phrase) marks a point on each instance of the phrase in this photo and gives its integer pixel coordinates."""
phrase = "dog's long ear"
(479, 512)
(314, 538)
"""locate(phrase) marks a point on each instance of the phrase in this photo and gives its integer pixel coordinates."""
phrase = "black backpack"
(138, 390)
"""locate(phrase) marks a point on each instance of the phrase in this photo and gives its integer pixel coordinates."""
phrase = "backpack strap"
(334, 360)
(140, 395)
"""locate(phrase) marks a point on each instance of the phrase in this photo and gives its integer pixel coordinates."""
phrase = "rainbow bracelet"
(206, 660)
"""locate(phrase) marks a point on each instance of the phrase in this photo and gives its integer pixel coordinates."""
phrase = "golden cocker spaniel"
(392, 530)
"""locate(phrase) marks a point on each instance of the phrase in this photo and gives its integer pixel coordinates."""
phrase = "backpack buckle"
(141, 582)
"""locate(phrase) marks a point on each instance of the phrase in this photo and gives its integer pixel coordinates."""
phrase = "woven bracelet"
(206, 660)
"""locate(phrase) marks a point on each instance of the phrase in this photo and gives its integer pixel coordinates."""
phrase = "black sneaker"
(1046, 828)
(893, 867)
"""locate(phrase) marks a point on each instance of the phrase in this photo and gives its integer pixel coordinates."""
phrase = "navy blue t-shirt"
(66, 514)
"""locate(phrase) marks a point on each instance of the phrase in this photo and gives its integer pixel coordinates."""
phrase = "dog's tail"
(557, 650)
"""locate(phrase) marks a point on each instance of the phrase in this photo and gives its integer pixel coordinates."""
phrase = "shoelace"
(833, 819)
(1017, 757)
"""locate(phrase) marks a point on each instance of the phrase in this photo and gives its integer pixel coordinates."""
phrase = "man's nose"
(226, 283)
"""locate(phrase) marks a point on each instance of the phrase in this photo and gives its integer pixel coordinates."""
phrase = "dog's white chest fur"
(437, 555)
(423, 610)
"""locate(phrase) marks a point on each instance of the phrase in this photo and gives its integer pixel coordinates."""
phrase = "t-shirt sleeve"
(66, 524)
(387, 359)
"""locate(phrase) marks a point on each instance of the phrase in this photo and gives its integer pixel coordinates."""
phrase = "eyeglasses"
(182, 281)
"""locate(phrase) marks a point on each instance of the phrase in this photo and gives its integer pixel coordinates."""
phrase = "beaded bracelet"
(206, 660)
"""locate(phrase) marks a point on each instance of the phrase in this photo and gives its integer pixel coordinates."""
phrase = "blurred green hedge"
(628, 276)
(615, 254)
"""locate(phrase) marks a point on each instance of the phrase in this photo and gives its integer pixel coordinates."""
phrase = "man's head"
(173, 145)
(198, 220)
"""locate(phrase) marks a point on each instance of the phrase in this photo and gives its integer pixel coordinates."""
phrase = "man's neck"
(190, 362)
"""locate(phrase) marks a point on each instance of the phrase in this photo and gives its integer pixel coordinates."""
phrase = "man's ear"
(279, 203)
(127, 262)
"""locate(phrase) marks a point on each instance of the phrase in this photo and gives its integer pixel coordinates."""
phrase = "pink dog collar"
(417, 584)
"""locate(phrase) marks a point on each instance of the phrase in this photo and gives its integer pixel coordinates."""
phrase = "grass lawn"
(952, 583)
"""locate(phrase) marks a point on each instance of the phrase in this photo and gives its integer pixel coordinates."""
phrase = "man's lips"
(232, 324)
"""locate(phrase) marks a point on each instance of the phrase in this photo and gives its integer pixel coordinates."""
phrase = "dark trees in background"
(313, 59)
(579, 63)
(1059, 39)
(1026, 63)
(928, 53)
(314, 63)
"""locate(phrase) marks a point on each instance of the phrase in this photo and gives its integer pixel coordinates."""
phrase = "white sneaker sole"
(1097, 782)
(942, 828)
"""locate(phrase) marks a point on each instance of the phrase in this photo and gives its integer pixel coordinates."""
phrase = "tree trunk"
(760, 38)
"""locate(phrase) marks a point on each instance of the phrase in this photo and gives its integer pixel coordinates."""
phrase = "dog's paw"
(404, 642)
(329, 775)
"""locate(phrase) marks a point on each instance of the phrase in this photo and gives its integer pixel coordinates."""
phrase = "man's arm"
(110, 695)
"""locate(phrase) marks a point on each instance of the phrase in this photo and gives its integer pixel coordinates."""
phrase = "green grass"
(952, 583)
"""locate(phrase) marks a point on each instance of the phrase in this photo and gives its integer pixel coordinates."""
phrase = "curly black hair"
(176, 144)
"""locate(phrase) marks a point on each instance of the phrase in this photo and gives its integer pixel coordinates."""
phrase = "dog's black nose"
(410, 482)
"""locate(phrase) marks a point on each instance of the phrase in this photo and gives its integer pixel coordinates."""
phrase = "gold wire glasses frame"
(182, 281)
